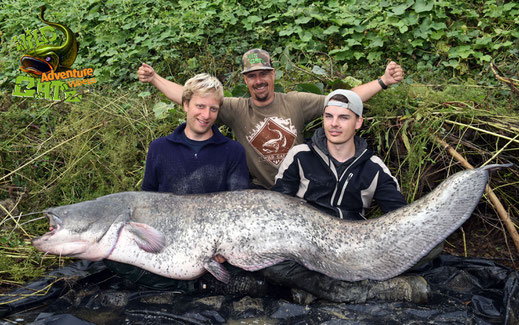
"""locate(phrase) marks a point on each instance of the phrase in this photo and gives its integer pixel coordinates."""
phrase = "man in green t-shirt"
(268, 124)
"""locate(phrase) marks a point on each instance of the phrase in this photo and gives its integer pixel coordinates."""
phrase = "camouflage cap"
(256, 59)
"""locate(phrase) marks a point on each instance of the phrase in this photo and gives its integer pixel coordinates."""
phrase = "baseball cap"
(256, 59)
(354, 102)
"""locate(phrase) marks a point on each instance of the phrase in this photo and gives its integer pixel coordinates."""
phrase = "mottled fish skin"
(254, 229)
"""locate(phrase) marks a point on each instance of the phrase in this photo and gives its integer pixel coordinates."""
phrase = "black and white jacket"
(343, 190)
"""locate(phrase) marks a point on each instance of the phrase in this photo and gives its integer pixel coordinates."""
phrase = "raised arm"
(172, 90)
(394, 74)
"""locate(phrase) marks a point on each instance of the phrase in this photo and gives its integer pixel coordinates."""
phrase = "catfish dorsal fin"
(147, 238)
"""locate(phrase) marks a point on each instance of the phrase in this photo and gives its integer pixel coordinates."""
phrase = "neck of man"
(341, 151)
(197, 136)
(263, 103)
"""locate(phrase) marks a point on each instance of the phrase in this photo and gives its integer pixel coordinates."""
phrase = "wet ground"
(463, 291)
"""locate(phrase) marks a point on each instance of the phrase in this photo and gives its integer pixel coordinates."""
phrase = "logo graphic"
(51, 58)
(48, 64)
(253, 58)
(272, 138)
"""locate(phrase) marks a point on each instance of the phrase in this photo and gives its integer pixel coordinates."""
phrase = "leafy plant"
(183, 38)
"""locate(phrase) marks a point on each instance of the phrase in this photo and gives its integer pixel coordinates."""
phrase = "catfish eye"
(47, 59)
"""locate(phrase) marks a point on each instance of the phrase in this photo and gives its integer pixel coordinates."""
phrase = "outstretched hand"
(394, 74)
(146, 73)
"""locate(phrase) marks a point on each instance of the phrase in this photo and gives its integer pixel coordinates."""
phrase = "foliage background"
(183, 37)
(54, 153)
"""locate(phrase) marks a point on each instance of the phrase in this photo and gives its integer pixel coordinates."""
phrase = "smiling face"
(202, 112)
(261, 86)
(340, 124)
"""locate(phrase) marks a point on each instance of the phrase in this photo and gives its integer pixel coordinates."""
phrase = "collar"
(217, 138)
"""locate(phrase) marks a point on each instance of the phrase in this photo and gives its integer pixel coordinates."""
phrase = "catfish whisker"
(19, 225)
(32, 220)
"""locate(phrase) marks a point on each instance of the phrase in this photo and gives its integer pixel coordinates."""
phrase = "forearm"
(170, 89)
(368, 90)
(393, 74)
(287, 184)
(238, 177)
(388, 197)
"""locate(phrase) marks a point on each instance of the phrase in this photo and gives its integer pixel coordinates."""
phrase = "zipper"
(342, 194)
(350, 175)
(344, 187)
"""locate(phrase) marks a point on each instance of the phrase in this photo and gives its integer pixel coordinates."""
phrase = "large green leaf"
(309, 88)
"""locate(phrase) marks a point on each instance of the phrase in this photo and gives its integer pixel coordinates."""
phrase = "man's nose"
(258, 79)
(205, 113)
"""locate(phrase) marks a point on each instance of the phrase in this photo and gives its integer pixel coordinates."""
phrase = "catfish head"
(91, 229)
(47, 58)
(39, 61)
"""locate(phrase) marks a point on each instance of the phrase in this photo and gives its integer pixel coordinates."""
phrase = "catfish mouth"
(55, 224)
(35, 66)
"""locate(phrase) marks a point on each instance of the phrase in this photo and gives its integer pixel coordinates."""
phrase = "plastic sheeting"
(464, 291)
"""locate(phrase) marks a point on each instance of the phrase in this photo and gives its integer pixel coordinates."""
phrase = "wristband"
(382, 84)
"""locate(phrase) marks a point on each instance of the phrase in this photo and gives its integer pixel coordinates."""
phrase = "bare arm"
(172, 90)
(394, 74)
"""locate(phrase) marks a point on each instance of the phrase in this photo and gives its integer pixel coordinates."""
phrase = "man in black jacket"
(338, 174)
(335, 171)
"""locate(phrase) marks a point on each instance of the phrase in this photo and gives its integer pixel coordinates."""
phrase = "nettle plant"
(184, 37)
(452, 34)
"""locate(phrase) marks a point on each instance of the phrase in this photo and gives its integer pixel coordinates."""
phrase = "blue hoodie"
(173, 166)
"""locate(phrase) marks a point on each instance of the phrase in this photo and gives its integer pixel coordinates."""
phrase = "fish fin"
(412, 231)
(217, 270)
(147, 238)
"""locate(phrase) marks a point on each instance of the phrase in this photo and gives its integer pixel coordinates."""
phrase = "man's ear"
(360, 120)
(185, 105)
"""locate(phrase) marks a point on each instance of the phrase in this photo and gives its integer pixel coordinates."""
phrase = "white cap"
(354, 102)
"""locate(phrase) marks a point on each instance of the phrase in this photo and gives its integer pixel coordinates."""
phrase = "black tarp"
(464, 291)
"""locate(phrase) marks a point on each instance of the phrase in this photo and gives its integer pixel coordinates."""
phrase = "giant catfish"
(178, 236)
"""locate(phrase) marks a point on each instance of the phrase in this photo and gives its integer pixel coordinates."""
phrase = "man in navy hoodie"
(196, 158)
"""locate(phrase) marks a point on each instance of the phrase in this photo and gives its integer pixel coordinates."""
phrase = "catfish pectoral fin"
(147, 238)
(217, 270)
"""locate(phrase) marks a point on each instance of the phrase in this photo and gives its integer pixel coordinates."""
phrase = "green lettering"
(28, 40)
(35, 34)
(58, 85)
(256, 60)
(44, 90)
(54, 35)
(17, 92)
(24, 42)
(71, 97)
(21, 44)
